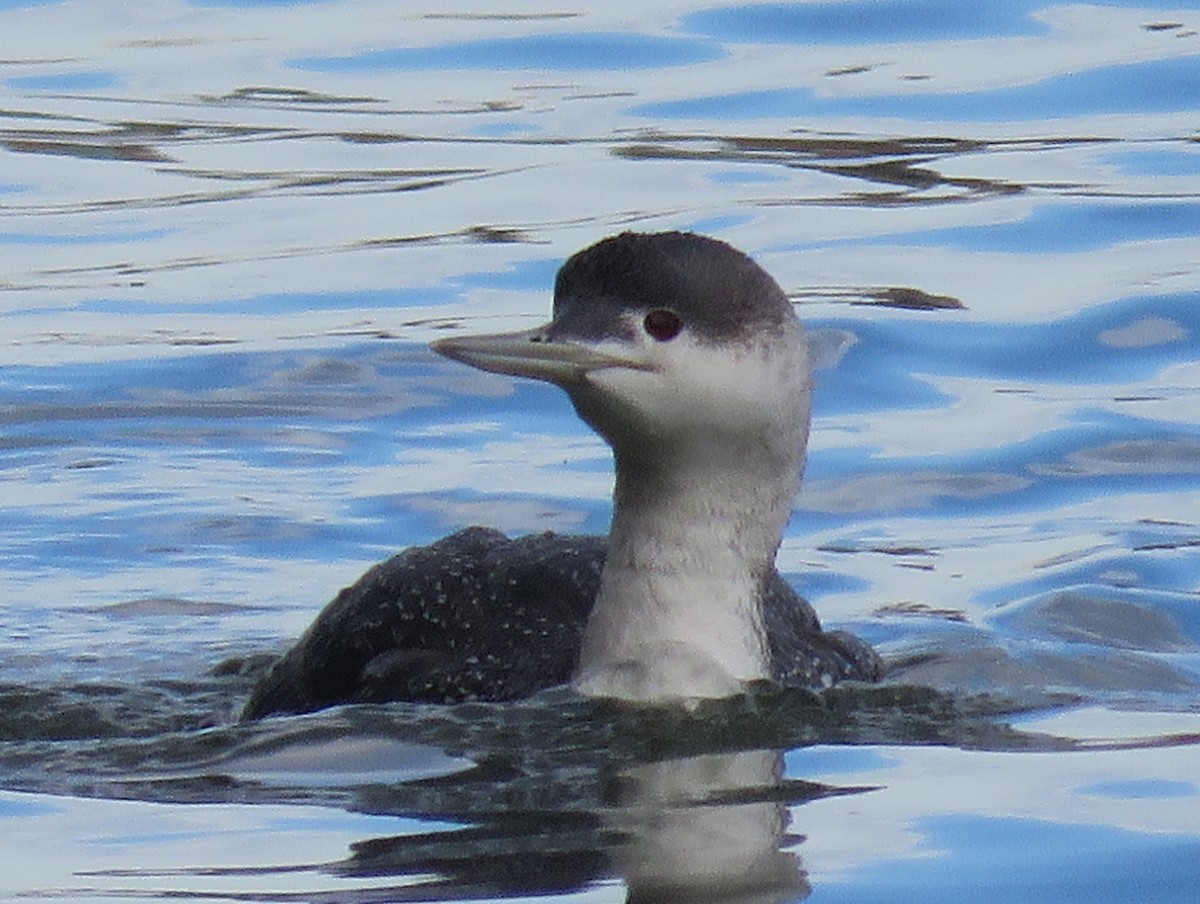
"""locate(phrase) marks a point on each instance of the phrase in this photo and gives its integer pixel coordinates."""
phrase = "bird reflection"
(701, 828)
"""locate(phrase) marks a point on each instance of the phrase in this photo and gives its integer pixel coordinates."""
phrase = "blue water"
(227, 232)
(1158, 86)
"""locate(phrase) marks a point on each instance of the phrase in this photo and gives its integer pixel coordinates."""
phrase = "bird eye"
(662, 324)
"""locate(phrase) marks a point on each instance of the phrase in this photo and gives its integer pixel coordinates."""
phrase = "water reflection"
(705, 828)
(699, 828)
(750, 825)
(215, 223)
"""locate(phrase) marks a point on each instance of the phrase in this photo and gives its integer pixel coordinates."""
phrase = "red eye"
(662, 324)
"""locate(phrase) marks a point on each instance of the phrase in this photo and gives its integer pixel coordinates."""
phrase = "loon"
(688, 359)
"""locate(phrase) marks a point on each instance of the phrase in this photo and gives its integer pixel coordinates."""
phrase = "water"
(227, 231)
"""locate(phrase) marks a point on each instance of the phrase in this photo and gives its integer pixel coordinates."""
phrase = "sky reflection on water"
(227, 230)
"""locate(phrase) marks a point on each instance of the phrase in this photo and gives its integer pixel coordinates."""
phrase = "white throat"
(698, 517)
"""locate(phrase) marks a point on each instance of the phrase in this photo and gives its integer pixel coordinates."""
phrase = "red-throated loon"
(687, 358)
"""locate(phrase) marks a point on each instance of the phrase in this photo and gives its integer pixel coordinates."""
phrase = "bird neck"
(695, 529)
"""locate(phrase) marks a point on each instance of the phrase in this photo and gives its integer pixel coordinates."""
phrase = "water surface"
(227, 231)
